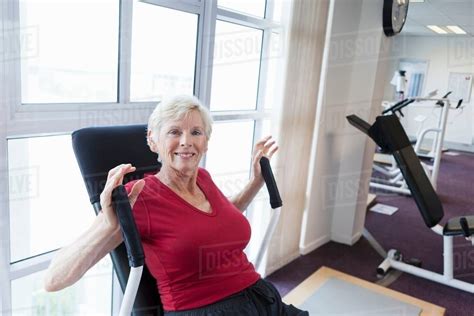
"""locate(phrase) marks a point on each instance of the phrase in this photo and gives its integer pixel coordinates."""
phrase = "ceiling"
(441, 13)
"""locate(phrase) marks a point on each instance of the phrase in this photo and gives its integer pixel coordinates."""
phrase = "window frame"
(61, 118)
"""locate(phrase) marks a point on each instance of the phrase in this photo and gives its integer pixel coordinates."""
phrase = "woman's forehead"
(192, 118)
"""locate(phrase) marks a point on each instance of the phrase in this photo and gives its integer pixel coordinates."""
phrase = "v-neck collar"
(213, 211)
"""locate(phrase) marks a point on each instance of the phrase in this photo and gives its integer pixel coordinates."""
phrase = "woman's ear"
(151, 143)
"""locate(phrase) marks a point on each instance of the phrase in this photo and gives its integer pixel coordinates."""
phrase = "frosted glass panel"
(69, 51)
(163, 61)
(229, 155)
(49, 205)
(273, 86)
(91, 295)
(236, 67)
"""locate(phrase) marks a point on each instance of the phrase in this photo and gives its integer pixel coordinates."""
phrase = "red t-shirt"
(196, 257)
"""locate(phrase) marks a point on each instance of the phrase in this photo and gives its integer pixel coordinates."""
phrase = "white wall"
(341, 157)
(444, 55)
(307, 35)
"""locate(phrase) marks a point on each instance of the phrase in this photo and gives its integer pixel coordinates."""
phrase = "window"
(47, 196)
(272, 93)
(252, 7)
(29, 297)
(163, 62)
(69, 56)
(415, 75)
(237, 51)
(72, 64)
(229, 156)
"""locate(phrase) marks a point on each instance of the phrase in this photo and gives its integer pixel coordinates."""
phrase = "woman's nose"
(185, 140)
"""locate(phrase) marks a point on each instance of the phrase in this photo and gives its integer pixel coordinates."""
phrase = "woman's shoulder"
(203, 171)
(204, 174)
(205, 180)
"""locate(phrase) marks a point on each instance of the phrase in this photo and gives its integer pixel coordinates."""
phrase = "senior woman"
(192, 235)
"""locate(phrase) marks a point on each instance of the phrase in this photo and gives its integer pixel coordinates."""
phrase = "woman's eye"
(197, 133)
(174, 132)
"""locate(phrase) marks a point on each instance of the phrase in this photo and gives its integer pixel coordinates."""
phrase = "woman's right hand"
(114, 179)
(71, 262)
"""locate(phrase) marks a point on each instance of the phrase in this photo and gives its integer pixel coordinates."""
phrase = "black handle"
(358, 123)
(267, 173)
(136, 257)
(399, 106)
(464, 227)
(447, 95)
(395, 106)
(441, 103)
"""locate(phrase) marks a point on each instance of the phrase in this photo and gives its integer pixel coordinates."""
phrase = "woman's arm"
(242, 199)
(103, 236)
(265, 147)
(71, 262)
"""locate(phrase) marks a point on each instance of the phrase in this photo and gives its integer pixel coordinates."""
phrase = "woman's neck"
(180, 181)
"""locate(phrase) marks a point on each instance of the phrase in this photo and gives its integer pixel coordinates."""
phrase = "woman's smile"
(185, 155)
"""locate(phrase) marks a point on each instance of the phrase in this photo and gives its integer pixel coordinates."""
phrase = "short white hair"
(176, 108)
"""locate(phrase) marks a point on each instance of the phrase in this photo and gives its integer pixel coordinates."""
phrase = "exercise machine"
(388, 133)
(394, 180)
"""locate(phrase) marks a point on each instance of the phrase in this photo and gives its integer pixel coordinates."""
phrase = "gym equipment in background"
(388, 133)
(393, 180)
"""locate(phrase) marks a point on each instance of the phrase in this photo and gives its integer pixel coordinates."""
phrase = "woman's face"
(182, 143)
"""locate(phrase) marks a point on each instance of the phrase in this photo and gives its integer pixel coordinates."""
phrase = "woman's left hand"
(264, 147)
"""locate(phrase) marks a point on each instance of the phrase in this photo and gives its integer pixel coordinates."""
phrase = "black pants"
(259, 299)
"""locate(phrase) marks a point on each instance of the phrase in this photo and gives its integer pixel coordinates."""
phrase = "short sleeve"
(129, 186)
(205, 174)
(140, 211)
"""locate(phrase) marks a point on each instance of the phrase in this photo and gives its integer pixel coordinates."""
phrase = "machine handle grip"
(136, 257)
(267, 173)
(397, 107)
(441, 103)
(447, 95)
(394, 107)
(358, 123)
(464, 227)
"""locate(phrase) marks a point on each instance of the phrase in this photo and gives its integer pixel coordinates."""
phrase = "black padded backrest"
(389, 134)
(99, 149)
(420, 186)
